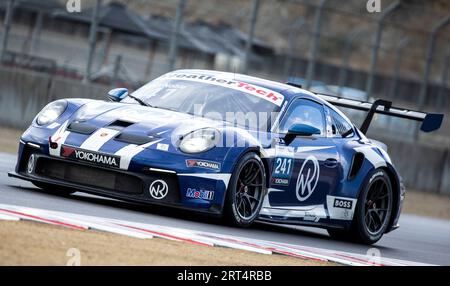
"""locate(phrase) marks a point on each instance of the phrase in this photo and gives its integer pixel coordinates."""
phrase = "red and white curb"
(148, 231)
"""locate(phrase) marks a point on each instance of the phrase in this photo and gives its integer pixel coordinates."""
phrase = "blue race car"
(224, 144)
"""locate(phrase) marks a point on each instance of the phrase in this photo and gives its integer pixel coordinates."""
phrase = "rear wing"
(430, 121)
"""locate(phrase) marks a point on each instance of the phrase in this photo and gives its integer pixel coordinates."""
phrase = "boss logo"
(343, 204)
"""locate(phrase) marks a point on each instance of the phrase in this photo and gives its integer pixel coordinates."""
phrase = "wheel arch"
(395, 183)
(257, 151)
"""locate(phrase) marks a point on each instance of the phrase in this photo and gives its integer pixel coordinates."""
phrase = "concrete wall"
(425, 168)
(24, 93)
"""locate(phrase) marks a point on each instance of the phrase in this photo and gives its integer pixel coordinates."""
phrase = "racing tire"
(64, 191)
(373, 210)
(246, 191)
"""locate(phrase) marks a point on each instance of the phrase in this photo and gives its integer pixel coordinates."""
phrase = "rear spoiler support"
(430, 121)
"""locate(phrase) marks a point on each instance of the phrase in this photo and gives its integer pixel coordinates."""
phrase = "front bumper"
(119, 184)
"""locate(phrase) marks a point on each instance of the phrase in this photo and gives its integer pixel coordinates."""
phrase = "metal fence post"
(346, 56)
(251, 31)
(431, 45)
(444, 77)
(116, 72)
(297, 25)
(314, 44)
(376, 46)
(6, 28)
(173, 49)
(398, 62)
(92, 40)
(35, 38)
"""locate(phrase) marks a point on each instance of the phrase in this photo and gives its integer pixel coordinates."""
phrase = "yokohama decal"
(89, 156)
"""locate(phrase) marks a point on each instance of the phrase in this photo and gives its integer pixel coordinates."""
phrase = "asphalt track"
(418, 239)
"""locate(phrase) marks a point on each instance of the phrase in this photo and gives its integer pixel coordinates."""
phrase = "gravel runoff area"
(33, 243)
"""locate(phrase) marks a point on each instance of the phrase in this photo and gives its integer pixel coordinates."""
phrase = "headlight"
(51, 112)
(200, 140)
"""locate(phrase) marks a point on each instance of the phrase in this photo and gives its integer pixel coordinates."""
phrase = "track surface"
(418, 239)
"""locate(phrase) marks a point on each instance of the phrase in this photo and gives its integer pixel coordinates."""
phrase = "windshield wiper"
(140, 101)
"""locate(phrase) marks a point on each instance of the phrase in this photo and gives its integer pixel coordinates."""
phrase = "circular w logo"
(308, 177)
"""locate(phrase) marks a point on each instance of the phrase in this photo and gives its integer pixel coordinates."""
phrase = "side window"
(306, 112)
(339, 125)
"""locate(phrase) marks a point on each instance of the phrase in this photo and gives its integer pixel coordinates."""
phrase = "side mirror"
(117, 94)
(300, 130)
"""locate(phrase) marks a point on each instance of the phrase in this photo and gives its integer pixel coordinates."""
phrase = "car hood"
(137, 119)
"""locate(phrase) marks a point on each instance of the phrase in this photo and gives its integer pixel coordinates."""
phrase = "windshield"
(211, 99)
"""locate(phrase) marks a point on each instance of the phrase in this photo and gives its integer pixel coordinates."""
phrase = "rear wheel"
(54, 188)
(246, 191)
(373, 211)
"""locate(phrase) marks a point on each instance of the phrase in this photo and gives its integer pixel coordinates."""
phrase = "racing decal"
(308, 178)
(372, 156)
(343, 204)
(128, 152)
(258, 91)
(280, 181)
(158, 189)
(162, 147)
(282, 171)
(200, 194)
(203, 164)
(100, 137)
(31, 164)
(90, 156)
(341, 208)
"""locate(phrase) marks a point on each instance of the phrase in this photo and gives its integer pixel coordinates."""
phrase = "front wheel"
(373, 210)
(246, 191)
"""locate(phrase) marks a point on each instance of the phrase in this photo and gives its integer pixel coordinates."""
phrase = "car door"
(307, 169)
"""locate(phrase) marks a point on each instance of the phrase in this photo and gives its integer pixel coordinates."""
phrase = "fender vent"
(357, 162)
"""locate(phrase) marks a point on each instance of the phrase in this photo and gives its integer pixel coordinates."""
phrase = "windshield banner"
(261, 92)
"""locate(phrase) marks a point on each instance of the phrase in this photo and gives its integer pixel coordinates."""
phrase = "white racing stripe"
(128, 152)
(98, 139)
(372, 156)
(59, 137)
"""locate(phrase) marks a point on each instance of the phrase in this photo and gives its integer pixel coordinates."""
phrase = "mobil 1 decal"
(282, 171)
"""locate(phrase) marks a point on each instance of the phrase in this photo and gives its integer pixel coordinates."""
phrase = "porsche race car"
(224, 144)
